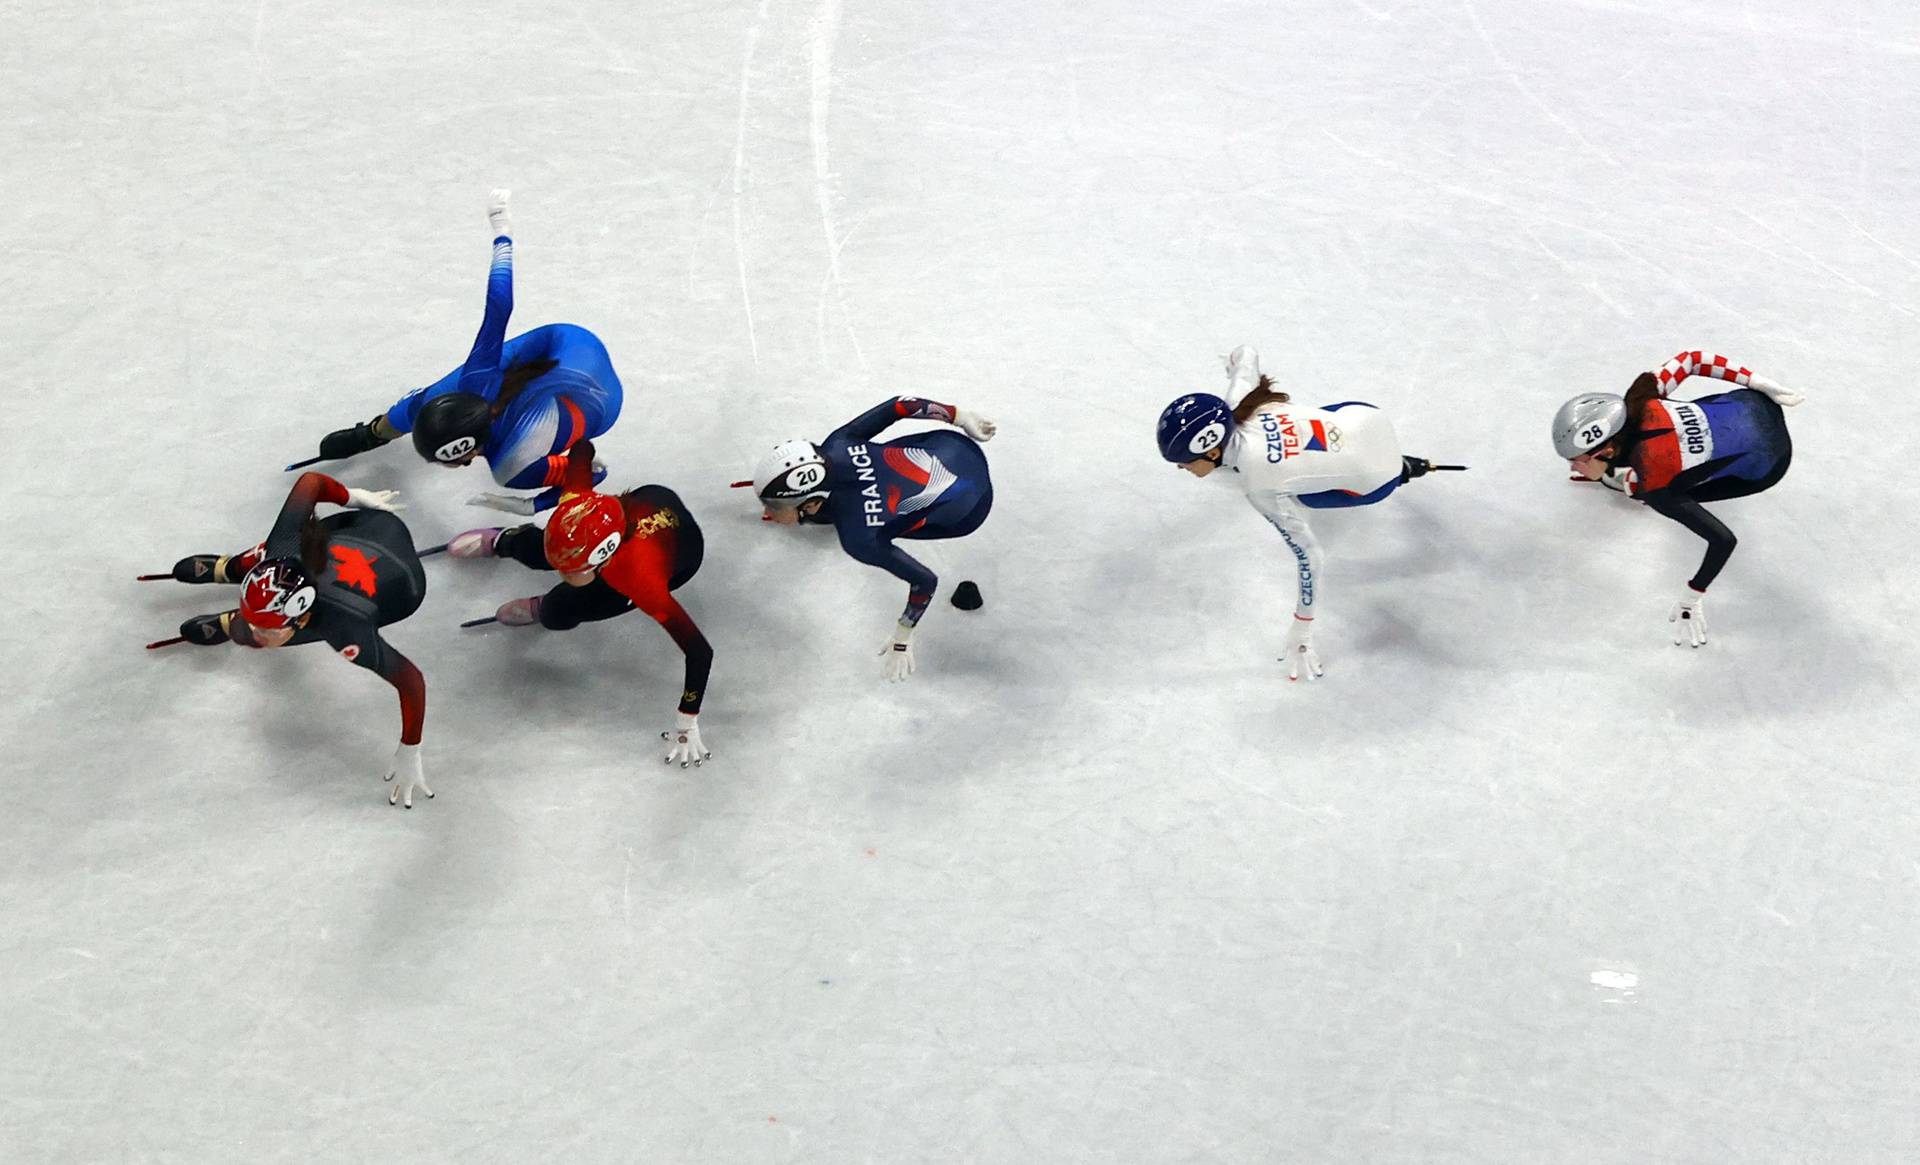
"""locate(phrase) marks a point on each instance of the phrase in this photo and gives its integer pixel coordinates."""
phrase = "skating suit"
(924, 486)
(578, 398)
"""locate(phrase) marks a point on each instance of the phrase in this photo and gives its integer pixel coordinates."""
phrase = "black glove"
(348, 442)
(204, 630)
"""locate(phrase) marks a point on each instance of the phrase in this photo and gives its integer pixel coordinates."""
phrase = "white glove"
(1689, 619)
(897, 655)
(1779, 393)
(1619, 479)
(1243, 357)
(1301, 658)
(374, 499)
(406, 775)
(1243, 370)
(506, 503)
(976, 426)
(683, 742)
(497, 213)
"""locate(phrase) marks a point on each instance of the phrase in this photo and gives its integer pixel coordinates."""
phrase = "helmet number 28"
(1592, 434)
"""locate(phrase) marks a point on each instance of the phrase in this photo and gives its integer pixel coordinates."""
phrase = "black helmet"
(451, 426)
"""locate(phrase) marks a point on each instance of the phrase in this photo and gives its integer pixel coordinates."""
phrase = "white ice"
(1518, 881)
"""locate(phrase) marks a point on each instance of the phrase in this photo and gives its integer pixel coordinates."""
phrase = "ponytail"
(1262, 394)
(313, 547)
(516, 378)
(1646, 387)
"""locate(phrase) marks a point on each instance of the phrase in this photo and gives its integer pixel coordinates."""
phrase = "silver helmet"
(1587, 422)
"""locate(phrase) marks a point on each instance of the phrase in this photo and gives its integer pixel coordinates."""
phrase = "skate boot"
(205, 630)
(199, 568)
(474, 543)
(217, 568)
(519, 612)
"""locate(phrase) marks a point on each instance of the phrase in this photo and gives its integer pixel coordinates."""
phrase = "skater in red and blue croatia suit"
(519, 403)
(1676, 455)
(922, 486)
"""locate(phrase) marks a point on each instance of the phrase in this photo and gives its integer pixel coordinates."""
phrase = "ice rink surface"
(1518, 881)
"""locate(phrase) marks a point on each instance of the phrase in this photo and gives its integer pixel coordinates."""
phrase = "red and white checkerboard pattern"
(1698, 364)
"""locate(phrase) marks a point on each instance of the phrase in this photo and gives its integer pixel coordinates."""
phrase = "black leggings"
(566, 606)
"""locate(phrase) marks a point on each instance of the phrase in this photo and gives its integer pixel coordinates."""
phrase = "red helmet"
(276, 593)
(585, 531)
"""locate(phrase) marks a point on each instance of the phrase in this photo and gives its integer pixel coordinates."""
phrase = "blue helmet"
(1192, 426)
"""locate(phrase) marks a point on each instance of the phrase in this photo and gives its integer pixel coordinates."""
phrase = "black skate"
(199, 568)
(1412, 467)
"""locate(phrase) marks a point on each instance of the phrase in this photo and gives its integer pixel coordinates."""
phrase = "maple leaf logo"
(353, 568)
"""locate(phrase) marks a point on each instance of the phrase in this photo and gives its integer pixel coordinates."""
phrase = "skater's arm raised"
(309, 491)
(1698, 363)
(875, 420)
(480, 374)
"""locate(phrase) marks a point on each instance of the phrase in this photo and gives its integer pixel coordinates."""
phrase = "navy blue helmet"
(1193, 426)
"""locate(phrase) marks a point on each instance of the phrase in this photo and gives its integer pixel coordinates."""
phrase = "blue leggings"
(1339, 499)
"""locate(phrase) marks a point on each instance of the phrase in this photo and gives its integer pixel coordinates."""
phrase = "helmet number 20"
(805, 477)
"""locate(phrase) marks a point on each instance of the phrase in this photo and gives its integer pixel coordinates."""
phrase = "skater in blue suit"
(519, 403)
(930, 485)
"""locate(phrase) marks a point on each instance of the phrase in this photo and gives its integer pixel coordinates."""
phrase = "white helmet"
(792, 472)
(1587, 422)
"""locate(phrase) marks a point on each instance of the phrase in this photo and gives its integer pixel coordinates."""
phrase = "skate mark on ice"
(1665, 270)
(832, 281)
(1823, 265)
(824, 30)
(1580, 278)
(1876, 240)
(1513, 75)
(739, 175)
(612, 46)
(259, 26)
